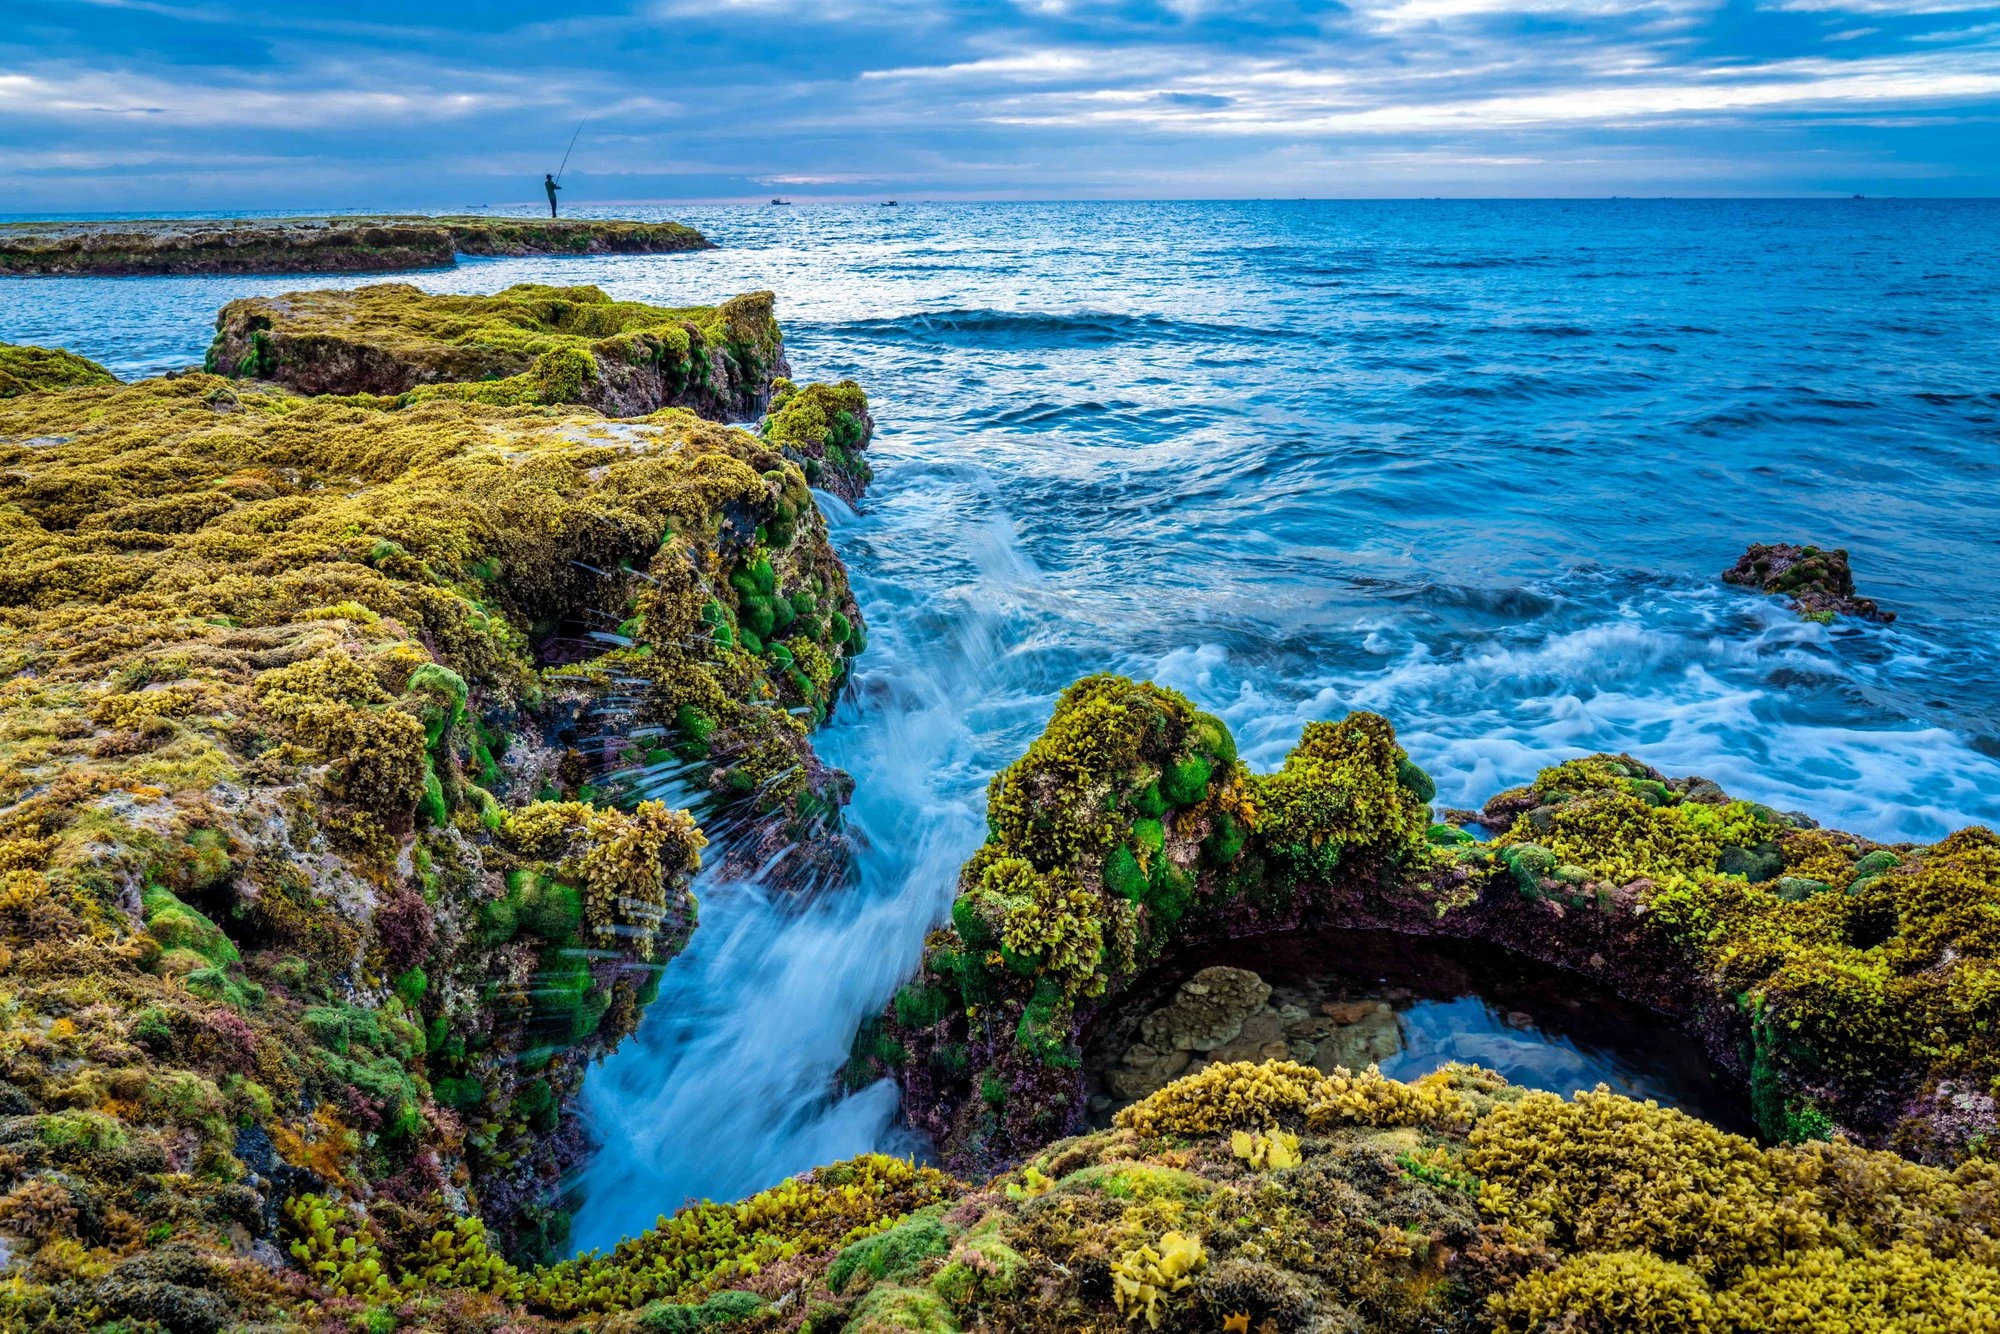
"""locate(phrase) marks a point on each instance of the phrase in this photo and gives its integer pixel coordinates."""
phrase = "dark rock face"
(1818, 581)
(318, 245)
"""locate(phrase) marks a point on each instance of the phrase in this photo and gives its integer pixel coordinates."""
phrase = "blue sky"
(192, 104)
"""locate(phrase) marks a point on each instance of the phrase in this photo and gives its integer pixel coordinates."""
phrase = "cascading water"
(1473, 466)
(728, 1085)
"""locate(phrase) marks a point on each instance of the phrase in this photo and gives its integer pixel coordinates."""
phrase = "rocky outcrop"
(1832, 973)
(335, 731)
(1818, 582)
(348, 244)
(527, 345)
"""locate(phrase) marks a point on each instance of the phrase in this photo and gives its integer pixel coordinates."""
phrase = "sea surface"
(1474, 465)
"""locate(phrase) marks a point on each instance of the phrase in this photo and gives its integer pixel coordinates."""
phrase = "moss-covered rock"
(529, 344)
(1846, 982)
(1816, 580)
(345, 244)
(25, 370)
(1127, 826)
(1454, 1202)
(329, 859)
(823, 428)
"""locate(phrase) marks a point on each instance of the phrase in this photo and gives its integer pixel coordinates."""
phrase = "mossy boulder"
(823, 428)
(529, 344)
(27, 370)
(1818, 581)
(1129, 824)
(311, 885)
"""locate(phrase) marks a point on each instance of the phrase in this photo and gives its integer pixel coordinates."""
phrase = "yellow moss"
(1608, 1291)
(1338, 789)
(1272, 1150)
(1224, 1096)
(548, 334)
(27, 370)
(1369, 1099)
(1885, 1291)
(1143, 1278)
(1602, 1172)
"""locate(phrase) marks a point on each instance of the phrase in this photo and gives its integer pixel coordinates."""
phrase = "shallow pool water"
(1352, 999)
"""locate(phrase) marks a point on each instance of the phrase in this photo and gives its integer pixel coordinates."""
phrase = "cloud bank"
(188, 104)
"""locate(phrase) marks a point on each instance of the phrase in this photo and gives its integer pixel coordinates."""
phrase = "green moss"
(705, 1247)
(1339, 792)
(27, 370)
(824, 428)
(179, 927)
(889, 1308)
(893, 1254)
(530, 344)
(723, 1308)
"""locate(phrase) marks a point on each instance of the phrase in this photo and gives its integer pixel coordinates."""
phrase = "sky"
(165, 105)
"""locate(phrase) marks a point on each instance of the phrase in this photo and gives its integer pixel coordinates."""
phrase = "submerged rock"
(527, 345)
(1818, 582)
(1208, 1013)
(346, 244)
(1364, 1034)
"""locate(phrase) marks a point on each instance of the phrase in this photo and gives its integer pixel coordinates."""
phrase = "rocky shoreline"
(1823, 968)
(338, 244)
(316, 706)
(343, 678)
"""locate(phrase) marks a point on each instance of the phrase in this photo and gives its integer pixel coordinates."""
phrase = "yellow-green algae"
(1453, 1202)
(1863, 980)
(308, 896)
(1852, 984)
(25, 370)
(823, 428)
(1127, 822)
(528, 344)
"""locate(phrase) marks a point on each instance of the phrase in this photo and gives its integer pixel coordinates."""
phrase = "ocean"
(1473, 465)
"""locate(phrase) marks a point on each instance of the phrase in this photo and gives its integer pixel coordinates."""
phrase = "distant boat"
(781, 201)
(888, 203)
(1861, 196)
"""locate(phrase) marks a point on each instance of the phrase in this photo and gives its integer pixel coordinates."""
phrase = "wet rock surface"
(1817, 580)
(1217, 1010)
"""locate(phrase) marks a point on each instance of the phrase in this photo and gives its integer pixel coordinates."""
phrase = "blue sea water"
(1475, 465)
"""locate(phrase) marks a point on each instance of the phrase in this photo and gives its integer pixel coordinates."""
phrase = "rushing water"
(1474, 465)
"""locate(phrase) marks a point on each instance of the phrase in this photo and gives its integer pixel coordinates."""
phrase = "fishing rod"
(571, 149)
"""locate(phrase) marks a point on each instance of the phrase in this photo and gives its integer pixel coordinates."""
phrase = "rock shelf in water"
(1847, 981)
(527, 344)
(318, 245)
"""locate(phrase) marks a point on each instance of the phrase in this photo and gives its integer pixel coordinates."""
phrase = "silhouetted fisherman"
(549, 184)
